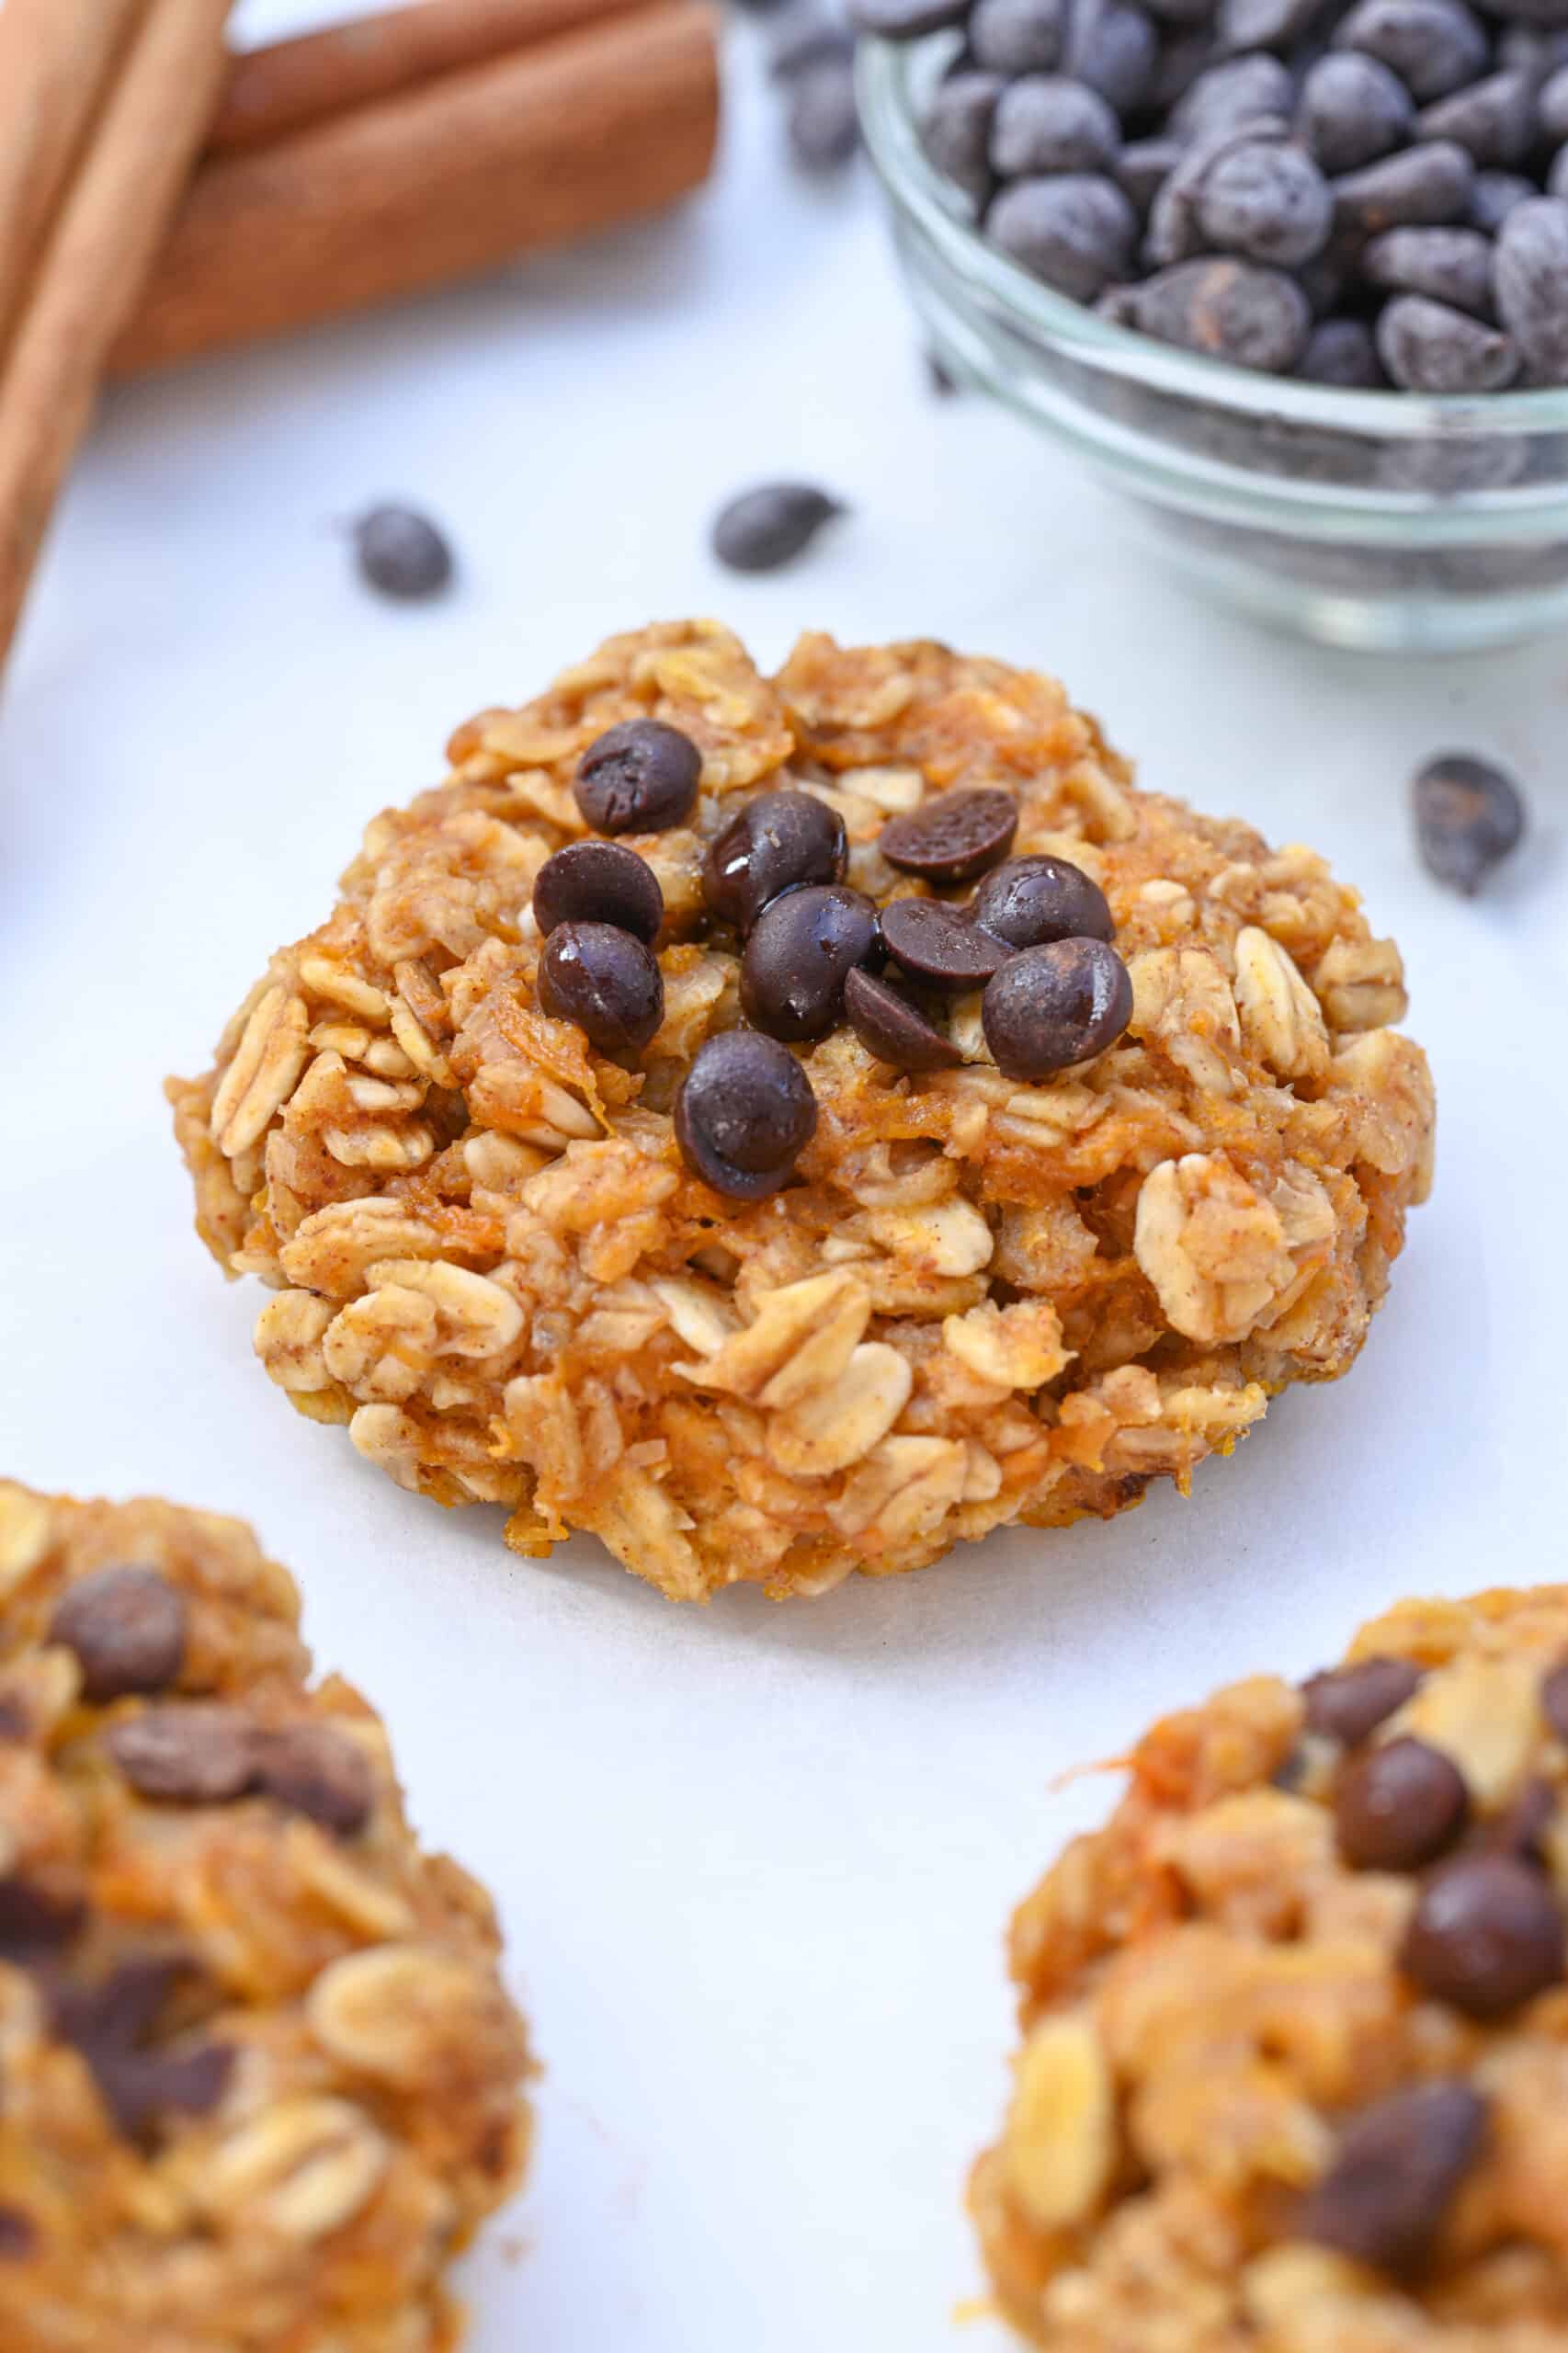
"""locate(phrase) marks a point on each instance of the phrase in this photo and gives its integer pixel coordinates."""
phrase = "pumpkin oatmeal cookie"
(786, 1125)
(259, 2080)
(1295, 2060)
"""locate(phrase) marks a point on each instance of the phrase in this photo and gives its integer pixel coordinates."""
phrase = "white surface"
(755, 1861)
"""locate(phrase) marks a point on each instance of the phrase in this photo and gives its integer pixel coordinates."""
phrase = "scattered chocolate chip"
(1420, 187)
(1447, 265)
(36, 1918)
(1520, 1829)
(127, 1628)
(894, 1030)
(821, 120)
(938, 944)
(1468, 816)
(1030, 900)
(776, 843)
(638, 778)
(1017, 35)
(604, 979)
(110, 2023)
(1342, 352)
(1531, 275)
(801, 949)
(763, 529)
(1429, 347)
(1354, 110)
(402, 554)
(599, 882)
(1485, 1935)
(197, 1754)
(957, 131)
(317, 1771)
(18, 2235)
(745, 1114)
(1434, 45)
(1048, 1007)
(1044, 122)
(1228, 309)
(1076, 233)
(956, 838)
(1393, 2177)
(1554, 1699)
(1399, 1806)
(1348, 1703)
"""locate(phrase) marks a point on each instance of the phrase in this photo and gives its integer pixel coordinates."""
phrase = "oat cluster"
(982, 1301)
(259, 2079)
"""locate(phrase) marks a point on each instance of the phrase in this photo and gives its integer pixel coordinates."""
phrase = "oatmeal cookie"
(259, 2079)
(785, 1125)
(1295, 2065)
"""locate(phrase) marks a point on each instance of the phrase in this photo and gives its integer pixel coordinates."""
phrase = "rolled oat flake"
(1469, 815)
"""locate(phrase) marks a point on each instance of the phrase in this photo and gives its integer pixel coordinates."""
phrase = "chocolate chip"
(127, 1628)
(36, 1918)
(1494, 119)
(1354, 110)
(1016, 36)
(1112, 45)
(1530, 274)
(763, 529)
(1348, 1703)
(1493, 197)
(956, 838)
(18, 2235)
(1228, 310)
(745, 1114)
(957, 131)
(822, 119)
(1486, 1935)
(1399, 1806)
(605, 980)
(316, 1770)
(1233, 93)
(776, 843)
(1434, 45)
(1420, 187)
(905, 19)
(1552, 105)
(197, 1754)
(1429, 347)
(1450, 264)
(402, 554)
(638, 778)
(1074, 233)
(1030, 900)
(1048, 1007)
(1520, 1829)
(1393, 2177)
(890, 1028)
(599, 882)
(1143, 168)
(1468, 816)
(1265, 24)
(936, 943)
(110, 2023)
(1044, 122)
(1266, 202)
(1554, 1699)
(1342, 351)
(801, 949)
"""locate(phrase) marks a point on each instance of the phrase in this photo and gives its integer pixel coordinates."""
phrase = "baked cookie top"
(1295, 2020)
(882, 1123)
(259, 2079)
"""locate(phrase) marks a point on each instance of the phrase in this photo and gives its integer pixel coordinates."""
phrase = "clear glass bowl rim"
(887, 74)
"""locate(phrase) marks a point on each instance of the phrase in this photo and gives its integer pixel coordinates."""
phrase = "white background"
(755, 1861)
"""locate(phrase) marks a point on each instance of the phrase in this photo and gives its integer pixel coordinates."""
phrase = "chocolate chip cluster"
(1364, 193)
(1035, 938)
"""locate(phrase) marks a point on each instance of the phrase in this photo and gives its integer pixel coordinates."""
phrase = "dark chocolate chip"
(745, 1114)
(956, 131)
(1348, 1703)
(1048, 1007)
(1434, 45)
(1420, 187)
(1552, 105)
(936, 943)
(605, 980)
(1342, 352)
(1494, 119)
(638, 778)
(956, 838)
(316, 1770)
(1268, 202)
(1468, 816)
(1232, 93)
(127, 1628)
(822, 120)
(1520, 1829)
(402, 554)
(1143, 168)
(1228, 309)
(890, 1028)
(905, 19)
(799, 950)
(1030, 900)
(36, 1918)
(1430, 348)
(1399, 1806)
(599, 882)
(1531, 275)
(110, 2024)
(1265, 24)
(1044, 122)
(1076, 233)
(1448, 264)
(776, 843)
(1554, 1699)
(1393, 2177)
(763, 529)
(18, 2235)
(1495, 195)
(1485, 1935)
(1112, 45)
(1016, 36)
(1354, 110)
(200, 1754)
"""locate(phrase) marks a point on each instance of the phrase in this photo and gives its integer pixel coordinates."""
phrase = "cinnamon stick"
(94, 265)
(274, 91)
(549, 143)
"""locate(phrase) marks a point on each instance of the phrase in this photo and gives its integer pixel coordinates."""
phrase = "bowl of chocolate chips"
(1293, 274)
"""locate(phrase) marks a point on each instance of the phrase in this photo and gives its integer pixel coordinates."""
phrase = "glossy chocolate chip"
(801, 949)
(775, 844)
(745, 1114)
(1399, 1806)
(638, 778)
(894, 1030)
(203, 1754)
(1485, 1935)
(110, 2024)
(599, 882)
(606, 982)
(127, 1628)
(34, 1918)
(316, 1770)
(939, 944)
(1048, 1007)
(1386, 2192)
(1347, 1703)
(18, 2235)
(956, 838)
(1554, 1699)
(767, 526)
(1469, 815)
(1032, 901)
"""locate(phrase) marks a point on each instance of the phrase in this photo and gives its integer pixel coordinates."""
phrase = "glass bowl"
(1384, 520)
